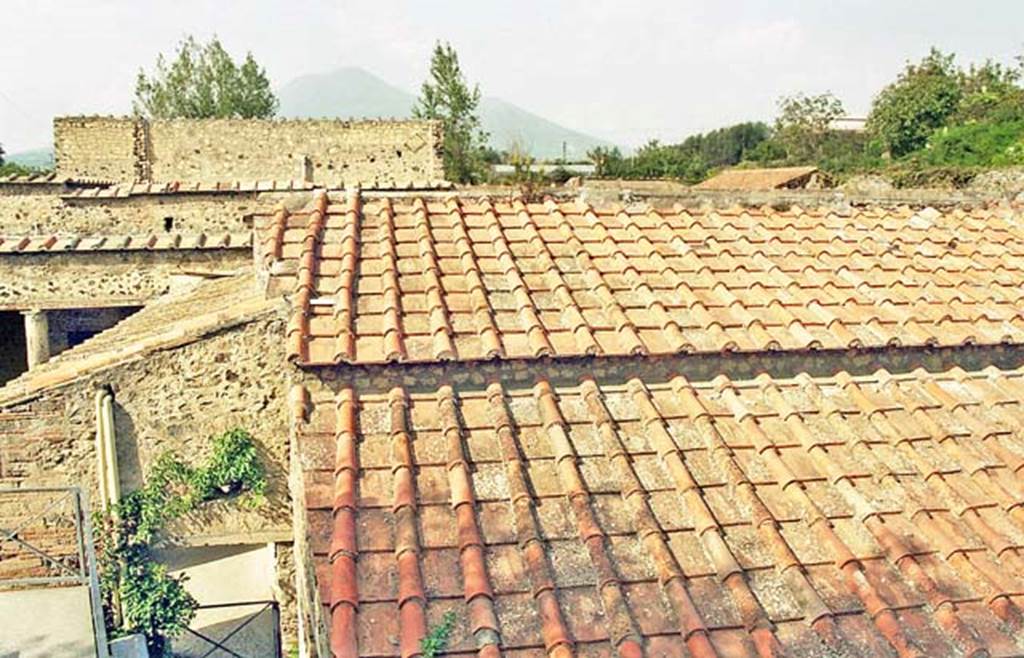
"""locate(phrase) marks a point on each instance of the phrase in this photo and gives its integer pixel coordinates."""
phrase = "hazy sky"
(625, 71)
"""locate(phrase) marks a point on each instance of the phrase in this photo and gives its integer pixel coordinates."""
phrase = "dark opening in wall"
(13, 358)
(71, 327)
(168, 224)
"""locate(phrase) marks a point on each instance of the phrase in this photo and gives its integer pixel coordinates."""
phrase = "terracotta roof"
(32, 244)
(856, 516)
(168, 321)
(406, 279)
(757, 179)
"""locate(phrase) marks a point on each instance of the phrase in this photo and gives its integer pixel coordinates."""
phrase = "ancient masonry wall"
(93, 279)
(41, 214)
(101, 148)
(170, 400)
(369, 153)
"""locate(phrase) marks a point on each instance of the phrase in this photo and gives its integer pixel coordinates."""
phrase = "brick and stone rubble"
(373, 153)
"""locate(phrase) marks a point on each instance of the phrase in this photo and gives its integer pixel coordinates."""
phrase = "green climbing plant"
(437, 639)
(139, 595)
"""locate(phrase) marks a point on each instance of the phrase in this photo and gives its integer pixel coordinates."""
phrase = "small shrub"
(139, 596)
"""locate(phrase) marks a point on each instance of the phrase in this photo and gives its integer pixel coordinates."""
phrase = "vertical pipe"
(106, 449)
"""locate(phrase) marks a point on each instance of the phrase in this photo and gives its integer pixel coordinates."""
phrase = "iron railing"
(231, 641)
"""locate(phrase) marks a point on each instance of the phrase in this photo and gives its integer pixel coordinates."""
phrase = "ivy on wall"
(139, 595)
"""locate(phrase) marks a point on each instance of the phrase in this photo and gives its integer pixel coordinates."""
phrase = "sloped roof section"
(758, 179)
(169, 321)
(856, 516)
(377, 279)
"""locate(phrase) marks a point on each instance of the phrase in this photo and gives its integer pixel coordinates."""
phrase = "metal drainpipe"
(106, 458)
(106, 449)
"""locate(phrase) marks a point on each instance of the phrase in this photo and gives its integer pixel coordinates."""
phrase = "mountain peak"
(351, 92)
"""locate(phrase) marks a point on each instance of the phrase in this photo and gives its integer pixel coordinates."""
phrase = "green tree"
(605, 159)
(447, 97)
(803, 124)
(924, 96)
(204, 82)
(990, 92)
(726, 146)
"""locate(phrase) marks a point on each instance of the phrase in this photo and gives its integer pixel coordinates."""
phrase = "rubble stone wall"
(331, 152)
(93, 279)
(133, 215)
(139, 214)
(172, 400)
(100, 148)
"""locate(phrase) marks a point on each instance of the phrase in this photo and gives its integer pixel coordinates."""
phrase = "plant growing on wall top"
(139, 596)
(203, 82)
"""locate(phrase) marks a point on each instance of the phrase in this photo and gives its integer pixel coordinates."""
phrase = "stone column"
(37, 337)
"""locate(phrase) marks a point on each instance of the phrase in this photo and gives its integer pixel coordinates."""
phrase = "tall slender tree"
(447, 97)
(204, 82)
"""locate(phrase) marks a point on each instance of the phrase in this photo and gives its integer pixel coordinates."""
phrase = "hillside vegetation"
(937, 124)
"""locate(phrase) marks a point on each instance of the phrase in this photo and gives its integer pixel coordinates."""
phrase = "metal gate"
(45, 544)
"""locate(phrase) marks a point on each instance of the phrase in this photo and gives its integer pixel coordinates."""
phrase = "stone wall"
(132, 215)
(171, 400)
(384, 154)
(92, 279)
(668, 193)
(95, 148)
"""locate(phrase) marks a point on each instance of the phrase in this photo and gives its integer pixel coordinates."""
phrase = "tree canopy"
(907, 111)
(202, 82)
(804, 123)
(689, 160)
(447, 97)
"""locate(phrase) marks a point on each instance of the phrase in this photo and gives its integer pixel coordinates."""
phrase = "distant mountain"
(355, 93)
(36, 158)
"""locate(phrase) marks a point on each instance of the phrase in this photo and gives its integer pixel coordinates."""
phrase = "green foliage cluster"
(10, 168)
(984, 144)
(936, 124)
(437, 639)
(15, 169)
(447, 97)
(204, 82)
(139, 596)
(803, 128)
(690, 160)
(919, 101)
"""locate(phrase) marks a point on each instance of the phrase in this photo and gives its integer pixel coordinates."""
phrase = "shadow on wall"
(129, 465)
(245, 630)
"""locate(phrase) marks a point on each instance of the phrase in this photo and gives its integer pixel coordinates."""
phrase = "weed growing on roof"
(139, 596)
(437, 639)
